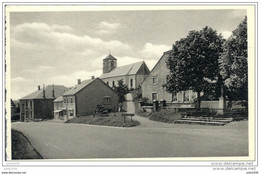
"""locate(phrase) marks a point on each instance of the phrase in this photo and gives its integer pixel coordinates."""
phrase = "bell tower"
(109, 63)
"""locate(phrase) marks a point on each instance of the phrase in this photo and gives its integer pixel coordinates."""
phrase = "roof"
(78, 87)
(59, 99)
(110, 57)
(123, 70)
(164, 53)
(58, 91)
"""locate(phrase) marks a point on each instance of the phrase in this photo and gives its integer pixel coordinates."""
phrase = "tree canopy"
(233, 63)
(193, 62)
(121, 90)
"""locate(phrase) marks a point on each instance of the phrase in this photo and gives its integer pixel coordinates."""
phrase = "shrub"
(165, 115)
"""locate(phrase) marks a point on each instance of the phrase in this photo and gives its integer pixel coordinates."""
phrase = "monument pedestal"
(221, 105)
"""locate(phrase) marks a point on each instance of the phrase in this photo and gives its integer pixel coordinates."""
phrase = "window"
(174, 97)
(186, 96)
(112, 64)
(131, 82)
(113, 83)
(31, 104)
(154, 80)
(154, 96)
(107, 83)
(23, 107)
(107, 100)
(64, 99)
(71, 100)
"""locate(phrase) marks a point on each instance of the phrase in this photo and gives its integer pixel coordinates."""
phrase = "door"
(26, 114)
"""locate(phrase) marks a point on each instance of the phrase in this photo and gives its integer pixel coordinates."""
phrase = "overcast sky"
(61, 47)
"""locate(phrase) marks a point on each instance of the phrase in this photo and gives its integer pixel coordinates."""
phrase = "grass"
(111, 120)
(22, 148)
(167, 116)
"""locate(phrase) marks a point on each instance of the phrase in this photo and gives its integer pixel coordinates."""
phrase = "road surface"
(56, 140)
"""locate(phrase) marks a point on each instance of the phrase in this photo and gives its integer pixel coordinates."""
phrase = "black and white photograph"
(129, 82)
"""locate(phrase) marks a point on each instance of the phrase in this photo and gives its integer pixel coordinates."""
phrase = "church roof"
(110, 57)
(123, 70)
(58, 91)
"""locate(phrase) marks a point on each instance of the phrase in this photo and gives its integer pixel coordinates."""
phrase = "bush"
(199, 112)
(144, 99)
(167, 116)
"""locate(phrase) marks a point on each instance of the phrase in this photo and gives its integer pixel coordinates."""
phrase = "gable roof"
(78, 87)
(59, 99)
(58, 91)
(164, 53)
(123, 70)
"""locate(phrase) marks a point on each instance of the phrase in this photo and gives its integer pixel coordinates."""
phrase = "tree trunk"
(198, 93)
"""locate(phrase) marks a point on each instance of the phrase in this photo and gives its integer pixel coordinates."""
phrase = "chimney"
(53, 95)
(43, 92)
(79, 81)
(92, 77)
(39, 87)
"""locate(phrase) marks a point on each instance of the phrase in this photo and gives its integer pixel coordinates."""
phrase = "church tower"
(109, 63)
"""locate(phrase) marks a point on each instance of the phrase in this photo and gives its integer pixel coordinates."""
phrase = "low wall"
(215, 104)
(210, 104)
(172, 105)
(204, 104)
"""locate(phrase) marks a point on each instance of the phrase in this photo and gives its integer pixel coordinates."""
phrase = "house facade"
(82, 99)
(58, 108)
(132, 75)
(153, 89)
(39, 104)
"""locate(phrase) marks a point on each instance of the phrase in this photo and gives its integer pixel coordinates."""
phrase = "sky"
(61, 47)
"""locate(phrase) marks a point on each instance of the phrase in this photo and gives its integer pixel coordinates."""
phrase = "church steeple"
(109, 63)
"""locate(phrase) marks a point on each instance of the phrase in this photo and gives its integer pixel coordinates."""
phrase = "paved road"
(56, 140)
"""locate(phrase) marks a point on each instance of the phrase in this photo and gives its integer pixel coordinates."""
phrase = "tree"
(233, 64)
(121, 90)
(193, 62)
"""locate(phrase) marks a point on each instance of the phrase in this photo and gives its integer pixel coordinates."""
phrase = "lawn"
(167, 116)
(112, 120)
(22, 148)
